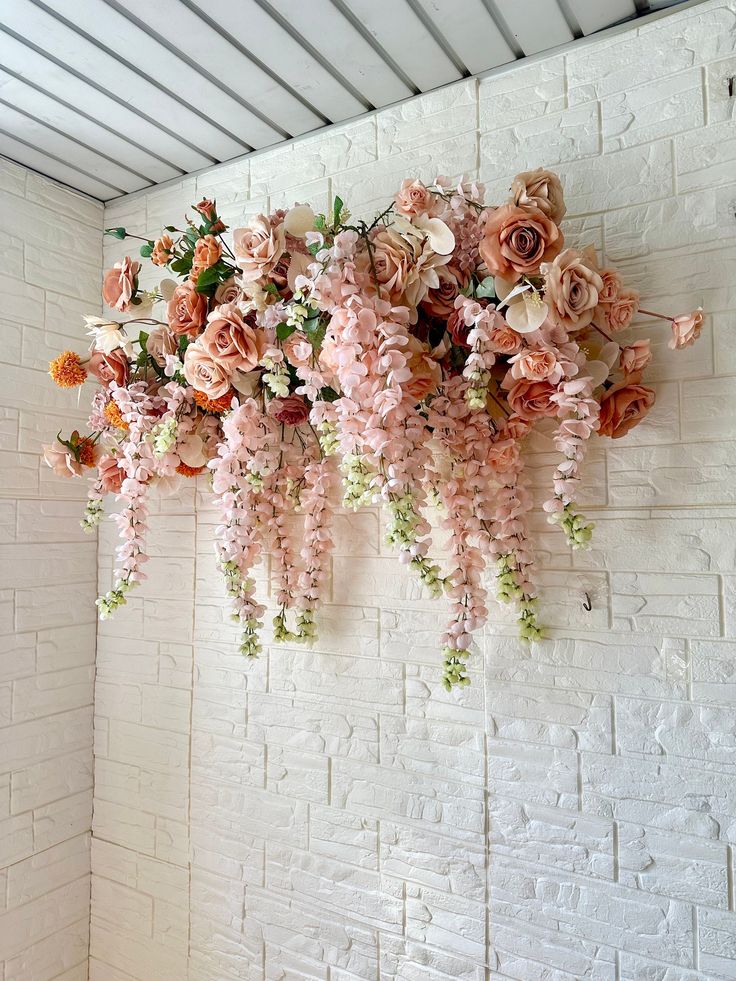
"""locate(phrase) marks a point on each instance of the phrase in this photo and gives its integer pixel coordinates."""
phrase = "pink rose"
(457, 328)
(161, 342)
(392, 262)
(258, 248)
(611, 285)
(440, 301)
(426, 373)
(619, 313)
(61, 460)
(534, 365)
(228, 292)
(635, 357)
(503, 456)
(571, 289)
(204, 373)
(686, 329)
(120, 284)
(109, 367)
(297, 349)
(504, 340)
(539, 189)
(208, 210)
(291, 410)
(186, 311)
(622, 407)
(230, 340)
(531, 399)
(517, 240)
(413, 198)
(110, 475)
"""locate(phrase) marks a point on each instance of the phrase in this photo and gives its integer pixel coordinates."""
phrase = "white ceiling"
(110, 96)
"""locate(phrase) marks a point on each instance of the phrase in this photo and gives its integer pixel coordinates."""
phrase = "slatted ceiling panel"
(536, 24)
(29, 130)
(594, 15)
(471, 32)
(24, 62)
(111, 96)
(236, 73)
(358, 62)
(66, 119)
(401, 33)
(61, 43)
(286, 56)
(129, 43)
(33, 158)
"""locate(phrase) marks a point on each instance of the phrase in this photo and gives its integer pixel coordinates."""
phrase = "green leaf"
(170, 228)
(328, 394)
(207, 278)
(181, 265)
(319, 222)
(337, 208)
(142, 339)
(284, 330)
(272, 288)
(486, 288)
(183, 345)
(313, 248)
(116, 232)
(146, 250)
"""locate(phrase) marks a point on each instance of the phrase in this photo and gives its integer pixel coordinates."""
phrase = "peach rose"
(258, 248)
(534, 365)
(571, 290)
(230, 340)
(109, 367)
(686, 329)
(161, 342)
(208, 210)
(611, 285)
(328, 356)
(61, 460)
(228, 292)
(504, 340)
(440, 301)
(413, 198)
(186, 310)
(517, 240)
(120, 284)
(207, 253)
(392, 261)
(110, 475)
(531, 399)
(503, 456)
(291, 410)
(297, 349)
(635, 357)
(619, 313)
(426, 373)
(204, 373)
(162, 250)
(542, 190)
(622, 407)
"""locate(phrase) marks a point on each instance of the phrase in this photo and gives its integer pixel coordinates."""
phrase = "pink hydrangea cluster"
(406, 358)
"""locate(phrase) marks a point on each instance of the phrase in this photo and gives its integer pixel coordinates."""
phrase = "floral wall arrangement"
(405, 360)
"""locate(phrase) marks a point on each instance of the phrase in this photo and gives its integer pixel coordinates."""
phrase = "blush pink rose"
(258, 248)
(571, 289)
(619, 313)
(291, 410)
(611, 285)
(186, 311)
(228, 292)
(635, 357)
(686, 329)
(534, 365)
(110, 475)
(539, 189)
(109, 367)
(120, 284)
(426, 373)
(297, 349)
(504, 340)
(230, 340)
(517, 240)
(413, 198)
(61, 461)
(622, 407)
(392, 262)
(161, 342)
(204, 373)
(531, 399)
(504, 456)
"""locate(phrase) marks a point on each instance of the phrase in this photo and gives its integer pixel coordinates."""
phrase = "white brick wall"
(335, 815)
(50, 245)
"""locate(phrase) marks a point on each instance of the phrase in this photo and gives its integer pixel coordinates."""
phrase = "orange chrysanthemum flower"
(114, 416)
(187, 471)
(67, 370)
(218, 406)
(87, 453)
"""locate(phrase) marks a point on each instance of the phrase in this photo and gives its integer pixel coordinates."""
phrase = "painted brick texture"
(47, 587)
(334, 814)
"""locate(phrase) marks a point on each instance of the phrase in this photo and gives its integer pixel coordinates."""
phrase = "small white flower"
(108, 336)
